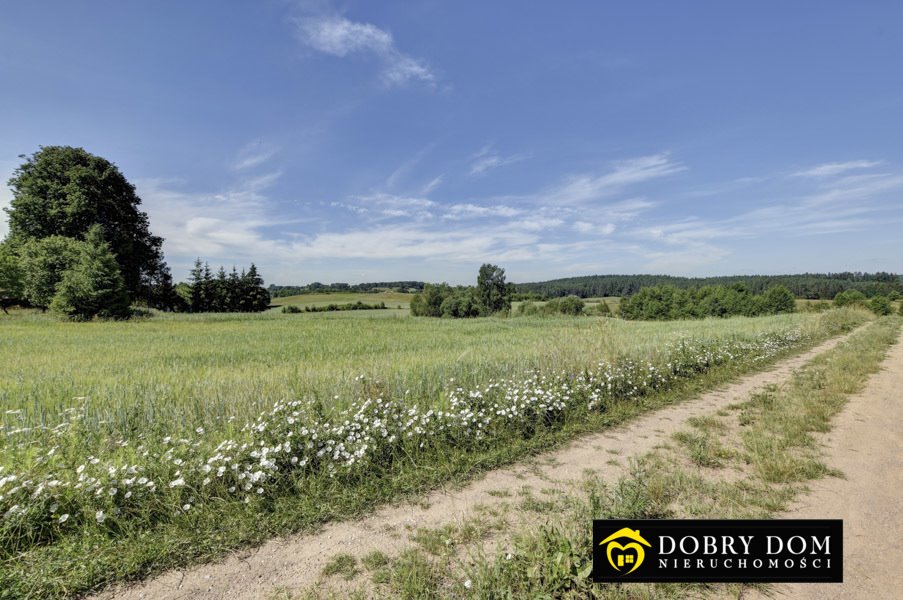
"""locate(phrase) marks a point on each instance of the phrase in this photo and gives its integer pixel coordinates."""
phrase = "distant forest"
(815, 286)
(281, 291)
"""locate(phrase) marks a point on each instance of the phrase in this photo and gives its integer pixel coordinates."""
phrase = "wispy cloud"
(402, 172)
(338, 36)
(837, 168)
(585, 188)
(392, 206)
(432, 185)
(848, 205)
(254, 154)
(224, 225)
(465, 211)
(587, 228)
(488, 159)
(405, 241)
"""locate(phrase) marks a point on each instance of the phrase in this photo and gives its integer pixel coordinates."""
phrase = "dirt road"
(296, 562)
(866, 443)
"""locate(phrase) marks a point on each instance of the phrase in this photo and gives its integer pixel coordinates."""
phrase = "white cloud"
(254, 154)
(683, 261)
(836, 168)
(585, 188)
(224, 225)
(338, 36)
(488, 159)
(467, 211)
(387, 205)
(404, 241)
(586, 227)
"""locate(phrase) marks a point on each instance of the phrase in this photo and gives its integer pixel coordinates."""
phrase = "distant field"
(392, 299)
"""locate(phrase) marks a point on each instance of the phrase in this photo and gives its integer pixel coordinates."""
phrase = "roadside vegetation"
(221, 438)
(756, 458)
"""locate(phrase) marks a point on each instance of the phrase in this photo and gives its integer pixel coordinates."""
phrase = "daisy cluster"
(295, 441)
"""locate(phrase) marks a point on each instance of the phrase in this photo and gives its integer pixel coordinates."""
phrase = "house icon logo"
(620, 556)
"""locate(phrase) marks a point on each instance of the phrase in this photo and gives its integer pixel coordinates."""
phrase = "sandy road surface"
(866, 443)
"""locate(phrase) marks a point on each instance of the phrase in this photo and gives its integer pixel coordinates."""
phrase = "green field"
(172, 372)
(226, 429)
(394, 300)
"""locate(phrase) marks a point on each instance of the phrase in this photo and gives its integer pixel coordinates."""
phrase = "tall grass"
(172, 372)
(157, 400)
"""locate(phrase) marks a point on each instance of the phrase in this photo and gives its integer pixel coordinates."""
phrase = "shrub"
(880, 306)
(93, 286)
(777, 300)
(666, 302)
(569, 305)
(463, 304)
(428, 303)
(291, 309)
(850, 298)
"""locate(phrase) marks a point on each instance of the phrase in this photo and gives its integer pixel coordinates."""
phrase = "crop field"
(394, 300)
(131, 447)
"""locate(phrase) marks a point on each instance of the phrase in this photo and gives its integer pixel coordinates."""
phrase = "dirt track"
(866, 443)
(296, 562)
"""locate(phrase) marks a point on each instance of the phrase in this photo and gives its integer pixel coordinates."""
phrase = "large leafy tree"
(493, 291)
(63, 191)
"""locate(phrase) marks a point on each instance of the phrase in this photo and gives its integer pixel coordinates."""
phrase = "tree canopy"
(63, 191)
(232, 292)
(490, 295)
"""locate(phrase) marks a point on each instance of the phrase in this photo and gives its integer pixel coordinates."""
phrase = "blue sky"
(365, 141)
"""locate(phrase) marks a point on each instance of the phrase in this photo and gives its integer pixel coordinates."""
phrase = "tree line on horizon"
(283, 291)
(812, 286)
(492, 295)
(669, 303)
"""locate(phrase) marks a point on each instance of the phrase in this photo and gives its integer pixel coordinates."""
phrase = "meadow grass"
(392, 299)
(150, 393)
(172, 373)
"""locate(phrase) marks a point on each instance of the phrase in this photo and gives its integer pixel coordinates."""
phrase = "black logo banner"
(704, 550)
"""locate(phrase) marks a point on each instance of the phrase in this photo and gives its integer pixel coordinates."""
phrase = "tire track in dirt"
(866, 444)
(296, 562)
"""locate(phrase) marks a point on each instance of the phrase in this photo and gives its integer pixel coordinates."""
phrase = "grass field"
(394, 300)
(130, 447)
(169, 373)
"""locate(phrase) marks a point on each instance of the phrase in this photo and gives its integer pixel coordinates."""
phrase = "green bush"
(777, 300)
(93, 286)
(667, 302)
(850, 298)
(291, 309)
(880, 306)
(569, 305)
(602, 309)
